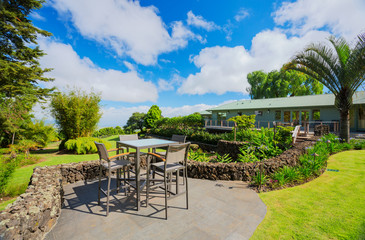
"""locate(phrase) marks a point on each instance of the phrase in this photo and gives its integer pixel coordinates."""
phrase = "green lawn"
(19, 180)
(329, 207)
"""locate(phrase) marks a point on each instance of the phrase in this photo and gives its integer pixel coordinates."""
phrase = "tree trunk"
(13, 138)
(345, 125)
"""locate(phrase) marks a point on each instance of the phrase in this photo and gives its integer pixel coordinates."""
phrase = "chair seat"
(116, 164)
(170, 167)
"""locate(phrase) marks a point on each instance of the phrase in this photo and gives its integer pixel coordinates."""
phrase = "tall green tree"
(20, 71)
(14, 117)
(281, 84)
(135, 122)
(153, 115)
(76, 113)
(339, 67)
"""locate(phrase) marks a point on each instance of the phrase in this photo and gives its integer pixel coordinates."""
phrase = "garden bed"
(246, 171)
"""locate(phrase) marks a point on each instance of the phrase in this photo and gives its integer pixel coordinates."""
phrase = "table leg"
(138, 179)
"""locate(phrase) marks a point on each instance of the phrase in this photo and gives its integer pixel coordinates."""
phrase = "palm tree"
(337, 66)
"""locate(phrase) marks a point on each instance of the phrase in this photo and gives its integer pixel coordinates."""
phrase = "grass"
(19, 180)
(5, 203)
(329, 207)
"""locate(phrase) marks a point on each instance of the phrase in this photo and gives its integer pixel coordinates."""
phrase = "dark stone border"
(245, 171)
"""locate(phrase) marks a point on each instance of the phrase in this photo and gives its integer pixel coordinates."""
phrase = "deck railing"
(306, 126)
(219, 123)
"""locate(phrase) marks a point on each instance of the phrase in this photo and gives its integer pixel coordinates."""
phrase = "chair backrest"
(103, 153)
(177, 153)
(178, 138)
(128, 137)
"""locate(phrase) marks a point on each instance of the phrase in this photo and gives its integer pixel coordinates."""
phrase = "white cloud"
(124, 26)
(200, 22)
(224, 69)
(129, 65)
(184, 110)
(37, 16)
(220, 71)
(344, 18)
(164, 85)
(71, 70)
(242, 14)
(119, 116)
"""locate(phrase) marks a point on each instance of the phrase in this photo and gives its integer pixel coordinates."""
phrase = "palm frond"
(319, 62)
(356, 63)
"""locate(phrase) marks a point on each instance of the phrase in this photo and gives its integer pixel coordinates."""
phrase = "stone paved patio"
(217, 210)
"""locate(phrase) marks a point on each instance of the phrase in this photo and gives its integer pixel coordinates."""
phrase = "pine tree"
(20, 71)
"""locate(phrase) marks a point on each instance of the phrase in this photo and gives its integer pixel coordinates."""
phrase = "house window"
(277, 115)
(286, 116)
(316, 115)
(361, 122)
(305, 115)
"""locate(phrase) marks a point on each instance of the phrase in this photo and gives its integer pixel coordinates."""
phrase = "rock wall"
(230, 147)
(320, 130)
(34, 212)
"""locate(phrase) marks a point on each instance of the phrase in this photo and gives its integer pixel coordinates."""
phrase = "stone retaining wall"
(245, 171)
(34, 212)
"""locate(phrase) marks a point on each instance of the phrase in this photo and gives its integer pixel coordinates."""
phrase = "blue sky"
(184, 56)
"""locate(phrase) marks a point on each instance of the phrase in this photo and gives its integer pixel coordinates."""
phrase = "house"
(312, 109)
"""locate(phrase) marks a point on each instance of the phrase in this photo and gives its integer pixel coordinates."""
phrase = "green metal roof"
(288, 102)
(205, 113)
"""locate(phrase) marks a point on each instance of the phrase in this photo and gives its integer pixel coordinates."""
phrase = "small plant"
(260, 179)
(223, 158)
(358, 145)
(84, 145)
(247, 155)
(198, 156)
(280, 178)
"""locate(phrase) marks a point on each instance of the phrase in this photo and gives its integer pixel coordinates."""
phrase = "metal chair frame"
(113, 165)
(166, 168)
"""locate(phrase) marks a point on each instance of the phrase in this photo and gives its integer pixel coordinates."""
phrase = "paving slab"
(217, 210)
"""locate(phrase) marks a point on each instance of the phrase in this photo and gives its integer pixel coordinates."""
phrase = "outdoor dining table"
(138, 145)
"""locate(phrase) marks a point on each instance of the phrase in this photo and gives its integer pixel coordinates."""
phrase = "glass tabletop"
(147, 143)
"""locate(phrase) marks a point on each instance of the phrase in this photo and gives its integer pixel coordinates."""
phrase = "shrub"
(135, 122)
(359, 145)
(108, 131)
(284, 136)
(194, 120)
(84, 145)
(25, 145)
(76, 113)
(40, 133)
(6, 169)
(244, 122)
(152, 116)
